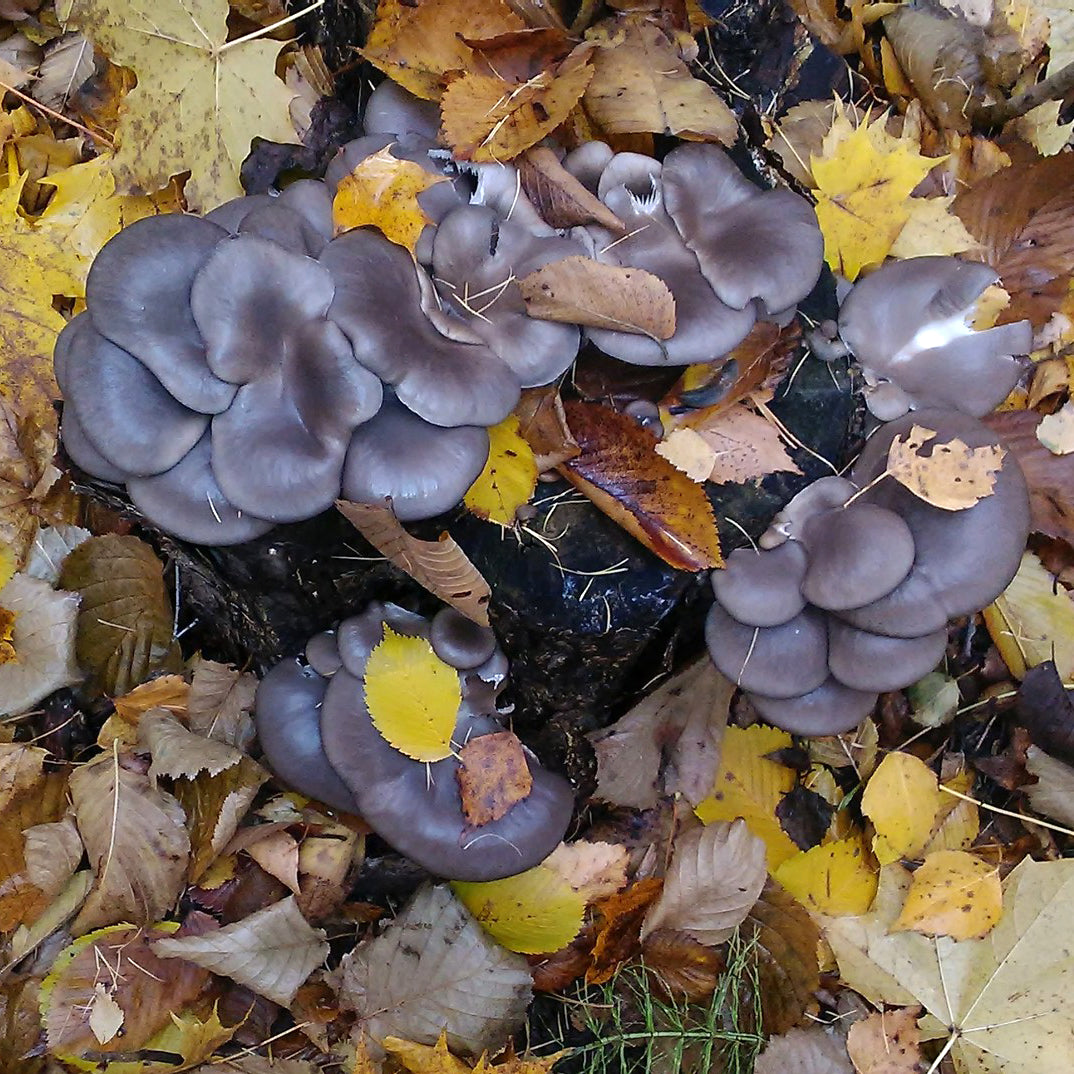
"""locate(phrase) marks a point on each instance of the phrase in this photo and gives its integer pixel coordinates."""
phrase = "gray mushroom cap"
(587, 163)
(322, 653)
(83, 454)
(121, 408)
(358, 635)
(423, 469)
(138, 296)
(287, 716)
(963, 559)
(499, 186)
(396, 111)
(187, 501)
(477, 257)
(872, 662)
(378, 306)
(751, 244)
(231, 214)
(830, 709)
(778, 661)
(282, 225)
(416, 806)
(818, 496)
(459, 641)
(857, 555)
(763, 588)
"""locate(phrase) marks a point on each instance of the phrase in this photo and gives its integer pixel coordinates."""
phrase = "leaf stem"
(261, 31)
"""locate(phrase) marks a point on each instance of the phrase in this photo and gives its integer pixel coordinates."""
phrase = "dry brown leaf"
(1053, 793)
(619, 470)
(804, 1051)
(178, 752)
(579, 290)
(641, 84)
(326, 857)
(493, 776)
(221, 699)
(558, 196)
(167, 692)
(681, 964)
(542, 423)
(417, 43)
(135, 838)
(277, 853)
(439, 566)
(271, 952)
(618, 934)
(953, 476)
(52, 853)
(716, 874)
(887, 1042)
(594, 870)
(26, 475)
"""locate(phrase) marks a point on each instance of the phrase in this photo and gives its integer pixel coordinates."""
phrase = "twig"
(1053, 88)
(102, 138)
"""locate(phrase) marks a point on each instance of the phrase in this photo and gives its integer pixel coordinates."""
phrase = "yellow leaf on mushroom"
(509, 476)
(953, 476)
(952, 894)
(383, 191)
(412, 696)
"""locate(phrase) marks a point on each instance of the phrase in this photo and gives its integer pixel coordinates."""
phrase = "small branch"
(103, 139)
(1053, 88)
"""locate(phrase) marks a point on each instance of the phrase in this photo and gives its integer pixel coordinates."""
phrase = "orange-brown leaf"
(621, 916)
(493, 776)
(620, 471)
(682, 965)
(542, 422)
(558, 196)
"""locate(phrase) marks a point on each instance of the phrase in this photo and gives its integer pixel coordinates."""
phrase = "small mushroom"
(830, 709)
(459, 641)
(394, 110)
(322, 654)
(762, 588)
(821, 495)
(358, 635)
(587, 163)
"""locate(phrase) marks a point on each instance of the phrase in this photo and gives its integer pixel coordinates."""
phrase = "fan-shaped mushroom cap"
(762, 589)
(705, 328)
(378, 306)
(477, 258)
(394, 110)
(187, 501)
(282, 225)
(287, 715)
(248, 300)
(868, 662)
(778, 661)
(423, 469)
(231, 214)
(821, 495)
(587, 163)
(460, 641)
(830, 709)
(138, 296)
(322, 654)
(751, 244)
(83, 454)
(857, 554)
(499, 186)
(416, 806)
(312, 200)
(963, 559)
(358, 635)
(124, 412)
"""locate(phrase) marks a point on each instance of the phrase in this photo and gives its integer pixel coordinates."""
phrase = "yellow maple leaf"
(836, 878)
(383, 191)
(750, 786)
(200, 98)
(902, 799)
(425, 1058)
(33, 269)
(413, 696)
(952, 894)
(864, 177)
(509, 476)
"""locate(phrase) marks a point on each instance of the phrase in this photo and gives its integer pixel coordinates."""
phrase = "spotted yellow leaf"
(836, 878)
(383, 192)
(750, 786)
(412, 696)
(509, 476)
(901, 799)
(534, 912)
(953, 894)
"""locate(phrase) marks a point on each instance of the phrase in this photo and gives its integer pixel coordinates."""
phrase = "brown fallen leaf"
(558, 196)
(26, 475)
(53, 852)
(682, 965)
(542, 423)
(618, 934)
(579, 290)
(805, 1051)
(176, 752)
(887, 1042)
(439, 566)
(642, 84)
(166, 692)
(493, 776)
(220, 701)
(953, 476)
(619, 470)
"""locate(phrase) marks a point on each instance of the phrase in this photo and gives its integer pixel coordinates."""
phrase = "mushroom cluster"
(852, 588)
(317, 734)
(247, 368)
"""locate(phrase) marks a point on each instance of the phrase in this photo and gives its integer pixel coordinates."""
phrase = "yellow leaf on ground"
(953, 894)
(901, 799)
(533, 913)
(424, 1058)
(864, 177)
(931, 228)
(836, 878)
(958, 822)
(412, 695)
(199, 99)
(383, 191)
(509, 476)
(1056, 431)
(750, 786)
(952, 476)
(1032, 621)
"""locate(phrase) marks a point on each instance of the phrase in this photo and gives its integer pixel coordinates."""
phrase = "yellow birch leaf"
(509, 476)
(864, 177)
(958, 822)
(952, 894)
(533, 913)
(953, 476)
(834, 879)
(931, 228)
(413, 696)
(1056, 431)
(750, 786)
(901, 799)
(383, 191)
(1032, 620)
